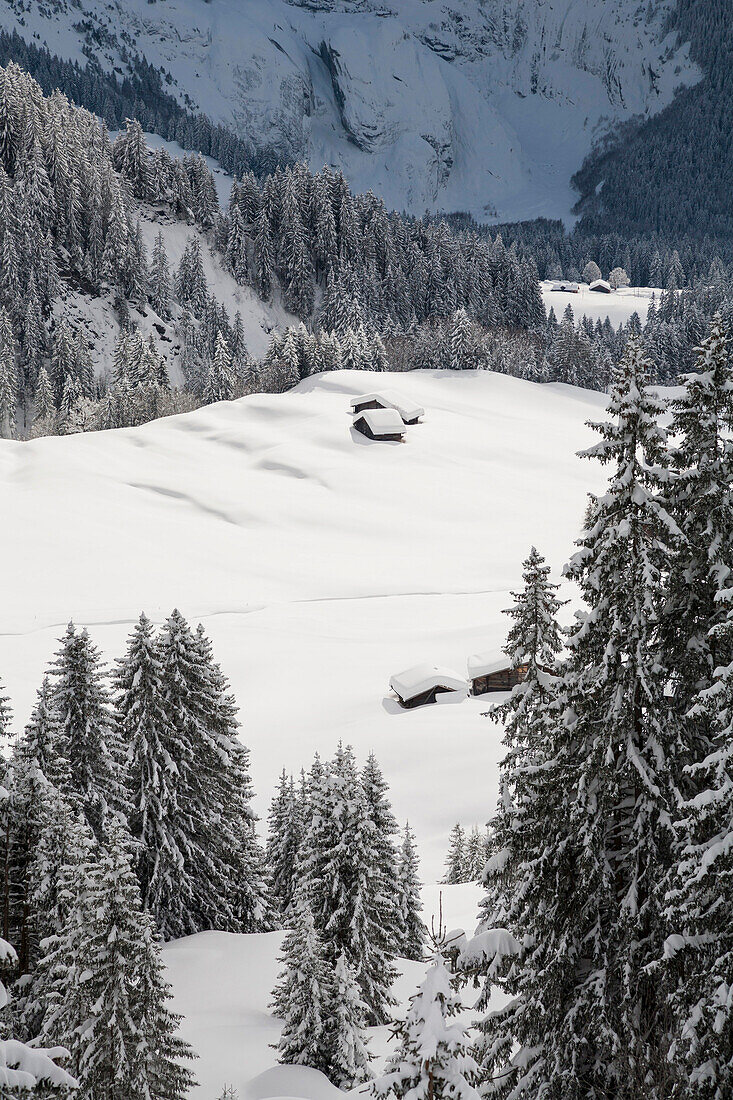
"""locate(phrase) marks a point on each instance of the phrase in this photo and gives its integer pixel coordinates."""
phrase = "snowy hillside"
(487, 108)
(320, 563)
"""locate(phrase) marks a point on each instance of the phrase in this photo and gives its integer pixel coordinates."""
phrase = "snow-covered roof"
(382, 421)
(390, 399)
(483, 664)
(563, 284)
(414, 681)
(600, 284)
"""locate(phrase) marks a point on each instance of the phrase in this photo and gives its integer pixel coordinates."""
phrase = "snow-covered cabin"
(389, 399)
(382, 424)
(493, 672)
(568, 288)
(420, 685)
(601, 286)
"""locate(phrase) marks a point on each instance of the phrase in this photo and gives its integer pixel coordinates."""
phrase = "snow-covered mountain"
(487, 106)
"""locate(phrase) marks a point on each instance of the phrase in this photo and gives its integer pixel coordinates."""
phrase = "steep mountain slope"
(320, 563)
(488, 108)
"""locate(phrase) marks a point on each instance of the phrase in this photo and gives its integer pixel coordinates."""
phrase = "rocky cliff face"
(480, 105)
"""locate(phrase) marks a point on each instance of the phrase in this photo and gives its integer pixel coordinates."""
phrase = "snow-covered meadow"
(321, 564)
(618, 306)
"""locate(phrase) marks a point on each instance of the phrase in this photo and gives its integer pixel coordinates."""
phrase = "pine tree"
(433, 1060)
(32, 762)
(384, 853)
(456, 858)
(160, 286)
(348, 1056)
(264, 263)
(700, 949)
(88, 742)
(8, 377)
(303, 996)
(413, 931)
(700, 501)
(528, 859)
(220, 380)
(26, 1069)
(337, 866)
(475, 856)
(209, 870)
(460, 338)
(283, 843)
(108, 999)
(151, 769)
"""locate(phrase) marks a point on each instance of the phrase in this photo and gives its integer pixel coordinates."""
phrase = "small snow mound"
(291, 1083)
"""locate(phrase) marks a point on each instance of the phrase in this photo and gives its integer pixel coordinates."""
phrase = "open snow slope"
(222, 986)
(320, 563)
(486, 107)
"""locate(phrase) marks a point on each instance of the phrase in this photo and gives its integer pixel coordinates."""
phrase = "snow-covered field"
(320, 563)
(618, 306)
(222, 986)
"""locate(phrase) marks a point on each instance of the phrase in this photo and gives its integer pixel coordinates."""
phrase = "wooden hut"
(389, 399)
(600, 286)
(488, 673)
(415, 687)
(380, 424)
(565, 286)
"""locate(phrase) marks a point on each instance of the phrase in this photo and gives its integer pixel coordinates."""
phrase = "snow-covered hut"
(563, 285)
(389, 399)
(493, 672)
(420, 685)
(600, 286)
(382, 424)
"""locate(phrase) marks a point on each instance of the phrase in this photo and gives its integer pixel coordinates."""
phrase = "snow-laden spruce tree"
(33, 759)
(348, 1054)
(339, 870)
(475, 855)
(156, 822)
(384, 851)
(65, 845)
(625, 776)
(518, 833)
(413, 933)
(219, 385)
(528, 874)
(249, 894)
(25, 1070)
(88, 741)
(108, 998)
(303, 997)
(284, 837)
(433, 1058)
(213, 877)
(700, 947)
(701, 501)
(455, 861)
